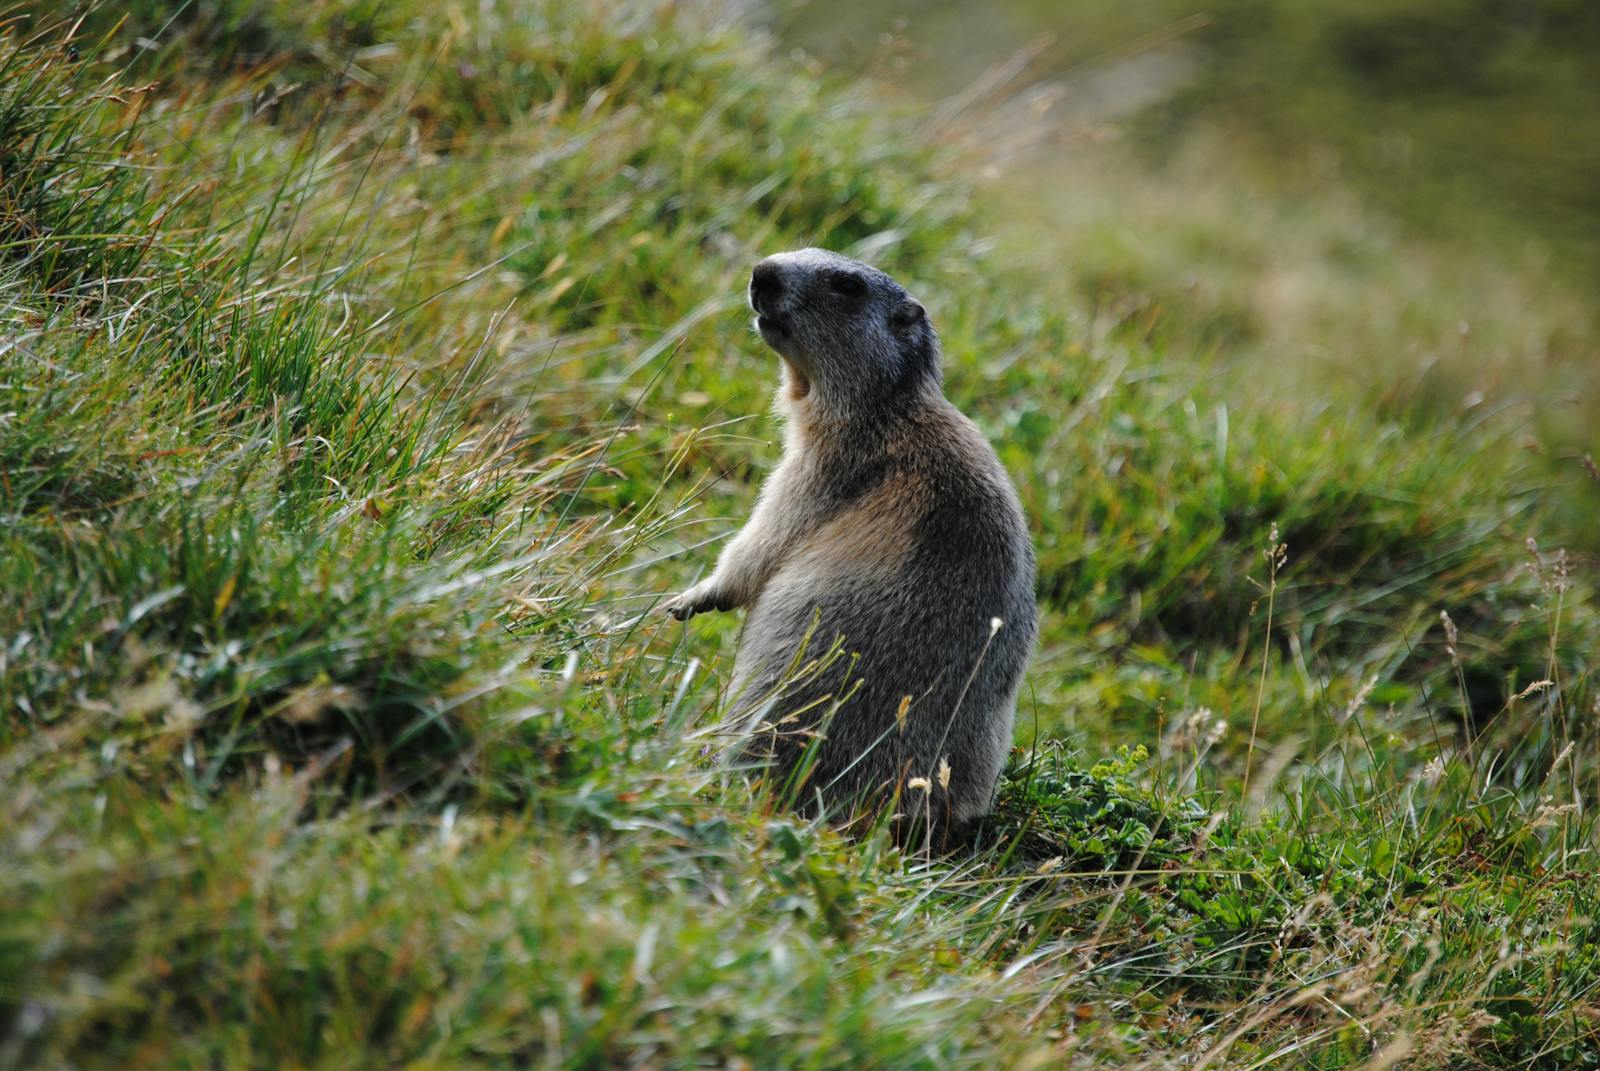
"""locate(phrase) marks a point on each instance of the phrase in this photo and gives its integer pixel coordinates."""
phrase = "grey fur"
(889, 532)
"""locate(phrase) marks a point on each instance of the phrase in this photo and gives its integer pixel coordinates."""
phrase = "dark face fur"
(847, 330)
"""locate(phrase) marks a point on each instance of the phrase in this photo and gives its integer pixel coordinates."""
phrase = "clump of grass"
(72, 219)
(1198, 903)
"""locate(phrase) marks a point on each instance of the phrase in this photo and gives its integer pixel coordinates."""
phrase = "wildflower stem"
(1275, 557)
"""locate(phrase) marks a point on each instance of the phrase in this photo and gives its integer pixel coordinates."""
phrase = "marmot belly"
(878, 646)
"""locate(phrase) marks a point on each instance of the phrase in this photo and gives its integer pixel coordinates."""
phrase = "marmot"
(890, 532)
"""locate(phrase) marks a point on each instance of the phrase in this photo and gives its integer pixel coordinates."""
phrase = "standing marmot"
(890, 534)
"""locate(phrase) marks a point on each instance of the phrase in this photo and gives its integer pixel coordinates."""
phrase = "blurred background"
(1396, 204)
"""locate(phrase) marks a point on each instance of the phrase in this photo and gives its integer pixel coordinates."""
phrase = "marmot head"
(846, 330)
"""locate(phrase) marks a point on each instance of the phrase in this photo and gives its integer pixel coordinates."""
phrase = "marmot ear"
(906, 313)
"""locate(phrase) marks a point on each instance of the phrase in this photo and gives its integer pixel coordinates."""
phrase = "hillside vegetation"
(370, 374)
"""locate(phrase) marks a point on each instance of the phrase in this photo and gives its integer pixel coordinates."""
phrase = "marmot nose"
(766, 286)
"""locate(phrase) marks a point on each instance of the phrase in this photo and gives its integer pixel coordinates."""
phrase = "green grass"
(350, 439)
(1335, 194)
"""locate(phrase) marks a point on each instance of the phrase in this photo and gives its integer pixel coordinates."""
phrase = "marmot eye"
(847, 283)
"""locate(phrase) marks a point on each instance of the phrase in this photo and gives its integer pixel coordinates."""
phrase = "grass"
(371, 374)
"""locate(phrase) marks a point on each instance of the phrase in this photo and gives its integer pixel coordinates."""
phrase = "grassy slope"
(1397, 194)
(369, 378)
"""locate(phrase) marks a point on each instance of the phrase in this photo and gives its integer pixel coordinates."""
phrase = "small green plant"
(1099, 818)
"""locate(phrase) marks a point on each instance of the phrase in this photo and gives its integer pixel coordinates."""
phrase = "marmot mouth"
(768, 324)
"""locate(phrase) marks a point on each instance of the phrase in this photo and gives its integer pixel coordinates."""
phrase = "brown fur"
(889, 530)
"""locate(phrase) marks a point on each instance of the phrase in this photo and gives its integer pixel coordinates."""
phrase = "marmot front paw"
(701, 598)
(686, 605)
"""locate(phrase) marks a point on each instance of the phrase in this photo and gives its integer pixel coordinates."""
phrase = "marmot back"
(887, 570)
